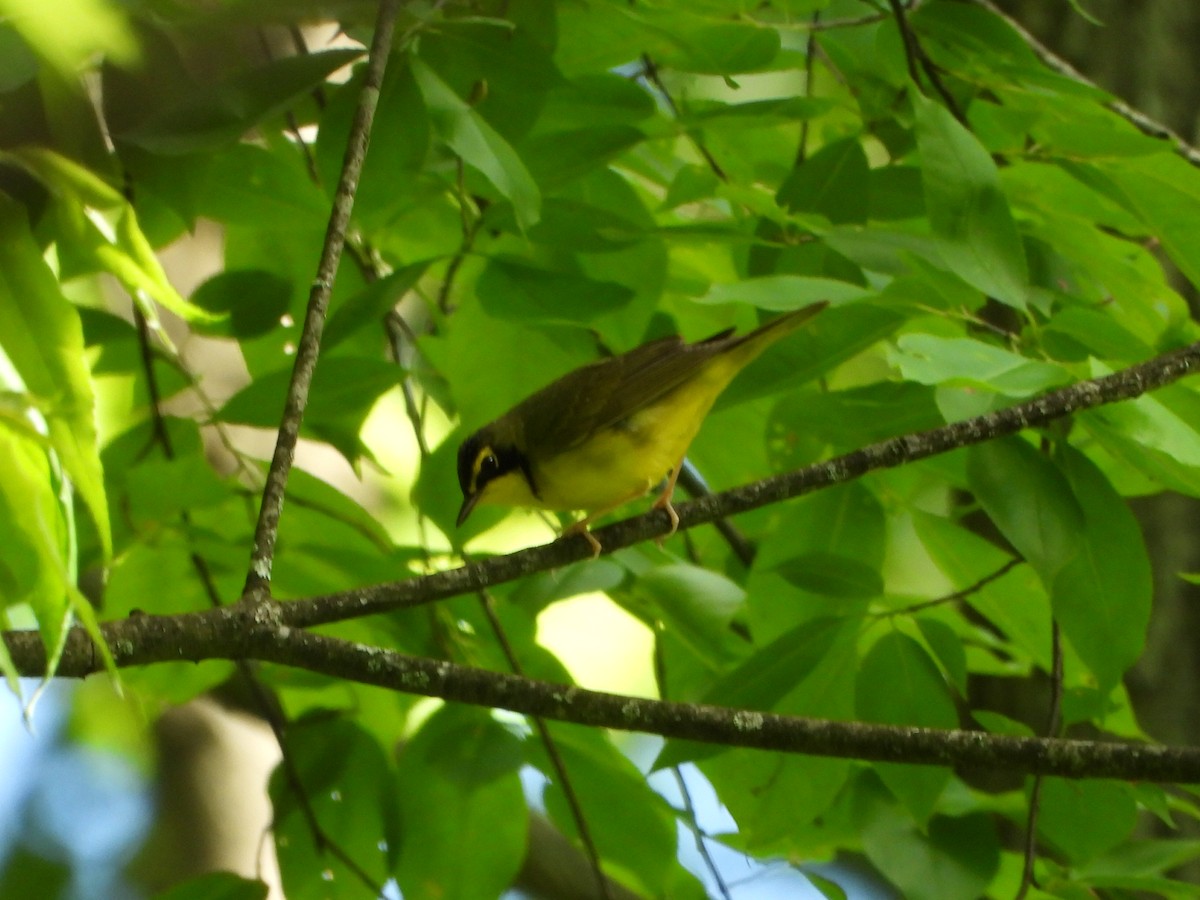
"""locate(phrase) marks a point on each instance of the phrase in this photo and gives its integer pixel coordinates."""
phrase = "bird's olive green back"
(602, 394)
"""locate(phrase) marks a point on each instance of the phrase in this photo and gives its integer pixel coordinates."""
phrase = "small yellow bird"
(609, 431)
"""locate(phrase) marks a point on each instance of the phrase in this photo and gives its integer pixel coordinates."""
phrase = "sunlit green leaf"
(41, 336)
(928, 359)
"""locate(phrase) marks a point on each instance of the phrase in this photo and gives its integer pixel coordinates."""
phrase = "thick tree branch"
(245, 633)
(258, 578)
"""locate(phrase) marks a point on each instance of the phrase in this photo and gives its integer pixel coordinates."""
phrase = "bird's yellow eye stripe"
(481, 459)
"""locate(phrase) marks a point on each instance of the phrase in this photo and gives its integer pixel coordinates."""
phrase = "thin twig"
(556, 760)
(289, 117)
(650, 73)
(268, 710)
(397, 331)
(810, 50)
(691, 481)
(470, 231)
(910, 42)
(689, 808)
(258, 576)
(956, 596)
(914, 54)
(1053, 726)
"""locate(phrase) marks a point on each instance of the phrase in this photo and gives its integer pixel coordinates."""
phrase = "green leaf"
(804, 423)
(1154, 434)
(690, 184)
(459, 788)
(217, 113)
(966, 362)
(562, 156)
(762, 681)
(611, 792)
(755, 113)
(216, 886)
(400, 141)
(1102, 595)
(1159, 190)
(366, 309)
(900, 685)
(781, 293)
(351, 788)
(26, 874)
(699, 44)
(828, 889)
(1083, 819)
(511, 290)
(835, 182)
(967, 207)
(101, 226)
(597, 98)
(836, 335)
(1030, 501)
(832, 575)
(479, 145)
(1143, 857)
(248, 302)
(698, 607)
(252, 186)
(344, 390)
(1018, 604)
(41, 335)
(954, 858)
(844, 523)
(18, 64)
(947, 647)
(161, 489)
(34, 529)
(65, 177)
(584, 227)
(773, 795)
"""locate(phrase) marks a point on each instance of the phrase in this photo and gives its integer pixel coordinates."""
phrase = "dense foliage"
(547, 182)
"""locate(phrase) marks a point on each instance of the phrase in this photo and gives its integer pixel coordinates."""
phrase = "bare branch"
(244, 632)
(1083, 395)
(258, 578)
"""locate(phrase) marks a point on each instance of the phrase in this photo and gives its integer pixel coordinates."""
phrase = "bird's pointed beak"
(468, 504)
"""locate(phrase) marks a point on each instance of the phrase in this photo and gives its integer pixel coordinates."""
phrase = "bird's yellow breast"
(625, 461)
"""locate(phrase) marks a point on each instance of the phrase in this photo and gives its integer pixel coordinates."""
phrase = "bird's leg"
(663, 501)
(581, 527)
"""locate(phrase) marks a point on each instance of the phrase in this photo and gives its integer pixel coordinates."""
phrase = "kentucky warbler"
(609, 431)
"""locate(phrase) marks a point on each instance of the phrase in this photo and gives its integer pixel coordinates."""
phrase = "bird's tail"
(751, 345)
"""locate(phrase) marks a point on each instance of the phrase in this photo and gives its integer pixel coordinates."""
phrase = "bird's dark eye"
(489, 466)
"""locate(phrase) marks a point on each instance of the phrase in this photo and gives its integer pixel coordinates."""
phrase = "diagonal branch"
(258, 578)
(1135, 117)
(249, 636)
(358, 602)
(1083, 395)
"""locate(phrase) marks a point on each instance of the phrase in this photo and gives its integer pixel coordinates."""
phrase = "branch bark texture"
(245, 632)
